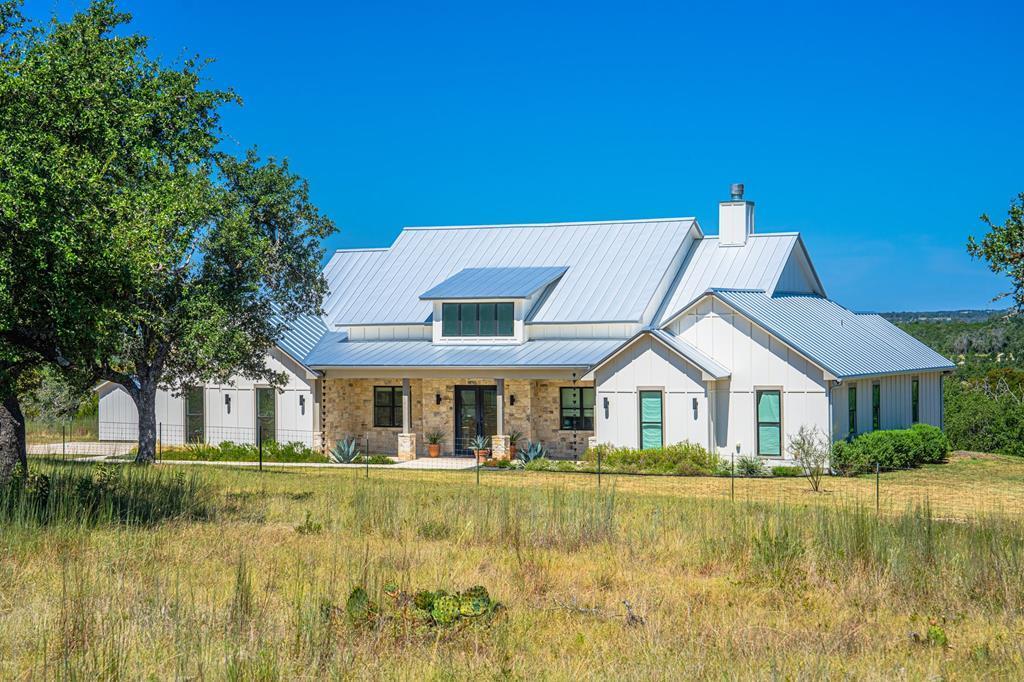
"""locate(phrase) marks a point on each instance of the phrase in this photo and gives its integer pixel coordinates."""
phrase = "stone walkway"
(82, 449)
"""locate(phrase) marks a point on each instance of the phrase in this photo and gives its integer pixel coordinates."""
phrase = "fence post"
(259, 439)
(732, 478)
(877, 489)
(63, 443)
(366, 458)
(598, 468)
(160, 441)
(478, 471)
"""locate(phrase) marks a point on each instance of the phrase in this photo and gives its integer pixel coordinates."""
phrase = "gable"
(798, 275)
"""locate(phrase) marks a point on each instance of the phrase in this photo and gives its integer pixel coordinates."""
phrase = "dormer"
(488, 305)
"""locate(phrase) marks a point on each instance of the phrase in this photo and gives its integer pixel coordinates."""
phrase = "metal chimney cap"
(736, 190)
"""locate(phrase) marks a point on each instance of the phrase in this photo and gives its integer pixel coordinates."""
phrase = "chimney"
(735, 218)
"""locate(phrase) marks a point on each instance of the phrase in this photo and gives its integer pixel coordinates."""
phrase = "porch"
(392, 415)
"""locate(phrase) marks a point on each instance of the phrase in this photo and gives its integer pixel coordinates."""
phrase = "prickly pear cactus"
(358, 606)
(477, 591)
(446, 610)
(424, 599)
(470, 607)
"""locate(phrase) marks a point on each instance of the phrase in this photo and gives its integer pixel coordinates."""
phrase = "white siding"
(118, 417)
(620, 330)
(895, 408)
(392, 332)
(647, 364)
(757, 360)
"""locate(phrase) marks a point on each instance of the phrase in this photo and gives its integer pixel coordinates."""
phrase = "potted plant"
(479, 447)
(513, 438)
(434, 440)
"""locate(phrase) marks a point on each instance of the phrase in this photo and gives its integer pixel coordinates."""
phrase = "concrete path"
(423, 463)
(78, 449)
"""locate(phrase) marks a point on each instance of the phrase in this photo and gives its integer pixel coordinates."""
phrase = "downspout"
(712, 394)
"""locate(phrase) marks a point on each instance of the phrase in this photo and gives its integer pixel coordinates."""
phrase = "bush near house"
(895, 449)
(228, 451)
(681, 459)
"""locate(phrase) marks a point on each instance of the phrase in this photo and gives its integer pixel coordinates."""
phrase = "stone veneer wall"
(347, 411)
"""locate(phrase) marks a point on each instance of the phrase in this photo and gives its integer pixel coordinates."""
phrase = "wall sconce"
(606, 407)
(512, 399)
(302, 404)
(694, 408)
(227, 403)
(437, 398)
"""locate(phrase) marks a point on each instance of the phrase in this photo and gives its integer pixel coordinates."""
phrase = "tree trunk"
(145, 402)
(12, 437)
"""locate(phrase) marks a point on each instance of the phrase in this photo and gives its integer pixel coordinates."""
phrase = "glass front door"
(476, 414)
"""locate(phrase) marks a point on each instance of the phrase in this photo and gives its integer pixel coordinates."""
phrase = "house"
(636, 333)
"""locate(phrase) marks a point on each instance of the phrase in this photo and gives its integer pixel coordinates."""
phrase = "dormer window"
(478, 319)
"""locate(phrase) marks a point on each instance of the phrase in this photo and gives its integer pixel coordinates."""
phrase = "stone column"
(500, 383)
(406, 439)
(406, 446)
(501, 447)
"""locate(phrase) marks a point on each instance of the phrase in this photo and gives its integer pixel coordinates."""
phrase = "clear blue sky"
(880, 131)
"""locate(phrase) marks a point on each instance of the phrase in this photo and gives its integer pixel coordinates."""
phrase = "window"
(477, 319)
(387, 406)
(195, 420)
(876, 407)
(769, 423)
(577, 409)
(651, 420)
(266, 414)
(852, 409)
(915, 393)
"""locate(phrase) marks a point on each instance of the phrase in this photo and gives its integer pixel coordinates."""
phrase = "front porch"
(392, 415)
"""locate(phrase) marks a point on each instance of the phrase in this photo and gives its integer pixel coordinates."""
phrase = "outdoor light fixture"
(606, 407)
(227, 403)
(302, 404)
(437, 398)
(512, 399)
(694, 408)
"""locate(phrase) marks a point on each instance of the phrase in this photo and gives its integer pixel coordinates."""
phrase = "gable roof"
(346, 273)
(494, 283)
(614, 268)
(843, 343)
(757, 264)
(705, 363)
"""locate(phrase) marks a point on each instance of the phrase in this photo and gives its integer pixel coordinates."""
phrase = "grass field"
(213, 572)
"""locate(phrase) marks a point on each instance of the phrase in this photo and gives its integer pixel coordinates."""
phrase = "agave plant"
(344, 451)
(479, 443)
(530, 452)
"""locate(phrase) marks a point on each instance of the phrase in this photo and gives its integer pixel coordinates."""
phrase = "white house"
(635, 333)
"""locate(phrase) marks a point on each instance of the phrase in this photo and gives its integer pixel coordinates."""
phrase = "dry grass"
(782, 583)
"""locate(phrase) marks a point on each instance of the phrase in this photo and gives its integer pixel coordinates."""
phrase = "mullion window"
(387, 406)
(769, 423)
(876, 407)
(477, 319)
(852, 408)
(576, 409)
(915, 403)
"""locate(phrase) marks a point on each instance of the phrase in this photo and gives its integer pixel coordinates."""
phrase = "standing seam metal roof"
(842, 342)
(494, 283)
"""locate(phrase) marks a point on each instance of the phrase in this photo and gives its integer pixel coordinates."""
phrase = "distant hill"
(945, 316)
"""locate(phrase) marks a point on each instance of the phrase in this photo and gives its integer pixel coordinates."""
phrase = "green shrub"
(848, 459)
(686, 459)
(787, 472)
(373, 459)
(934, 444)
(749, 466)
(896, 449)
(228, 451)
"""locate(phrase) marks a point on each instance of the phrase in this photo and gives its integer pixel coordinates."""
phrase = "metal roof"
(845, 344)
(346, 273)
(615, 269)
(757, 264)
(335, 350)
(494, 283)
(691, 353)
(300, 335)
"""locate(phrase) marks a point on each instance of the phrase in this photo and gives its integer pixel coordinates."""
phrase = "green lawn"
(246, 575)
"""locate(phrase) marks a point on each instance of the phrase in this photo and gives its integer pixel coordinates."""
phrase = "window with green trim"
(915, 405)
(195, 415)
(577, 409)
(477, 319)
(876, 407)
(851, 407)
(266, 414)
(769, 423)
(651, 420)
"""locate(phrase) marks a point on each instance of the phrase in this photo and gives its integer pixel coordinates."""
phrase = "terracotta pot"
(434, 449)
(481, 455)
(512, 451)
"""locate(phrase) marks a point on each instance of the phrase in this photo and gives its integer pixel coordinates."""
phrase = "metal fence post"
(598, 468)
(63, 443)
(478, 471)
(259, 439)
(877, 489)
(160, 441)
(732, 478)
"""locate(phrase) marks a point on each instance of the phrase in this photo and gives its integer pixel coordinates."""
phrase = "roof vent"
(735, 218)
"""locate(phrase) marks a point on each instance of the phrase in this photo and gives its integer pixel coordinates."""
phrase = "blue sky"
(880, 131)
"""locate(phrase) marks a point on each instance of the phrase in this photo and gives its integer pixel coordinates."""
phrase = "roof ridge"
(624, 221)
(363, 248)
(788, 233)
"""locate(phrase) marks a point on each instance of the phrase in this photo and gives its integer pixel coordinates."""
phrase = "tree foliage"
(1003, 248)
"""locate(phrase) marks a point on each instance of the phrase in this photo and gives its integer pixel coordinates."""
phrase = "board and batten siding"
(896, 406)
(118, 417)
(757, 360)
(647, 365)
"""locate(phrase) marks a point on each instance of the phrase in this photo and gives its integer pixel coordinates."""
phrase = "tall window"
(851, 407)
(769, 423)
(915, 393)
(477, 319)
(266, 414)
(651, 420)
(195, 418)
(387, 406)
(876, 407)
(577, 409)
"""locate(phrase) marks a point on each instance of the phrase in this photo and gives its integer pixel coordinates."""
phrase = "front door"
(476, 414)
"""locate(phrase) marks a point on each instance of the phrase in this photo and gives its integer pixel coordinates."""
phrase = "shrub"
(848, 459)
(934, 444)
(810, 448)
(749, 466)
(897, 449)
(372, 459)
(344, 451)
(787, 472)
(686, 459)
